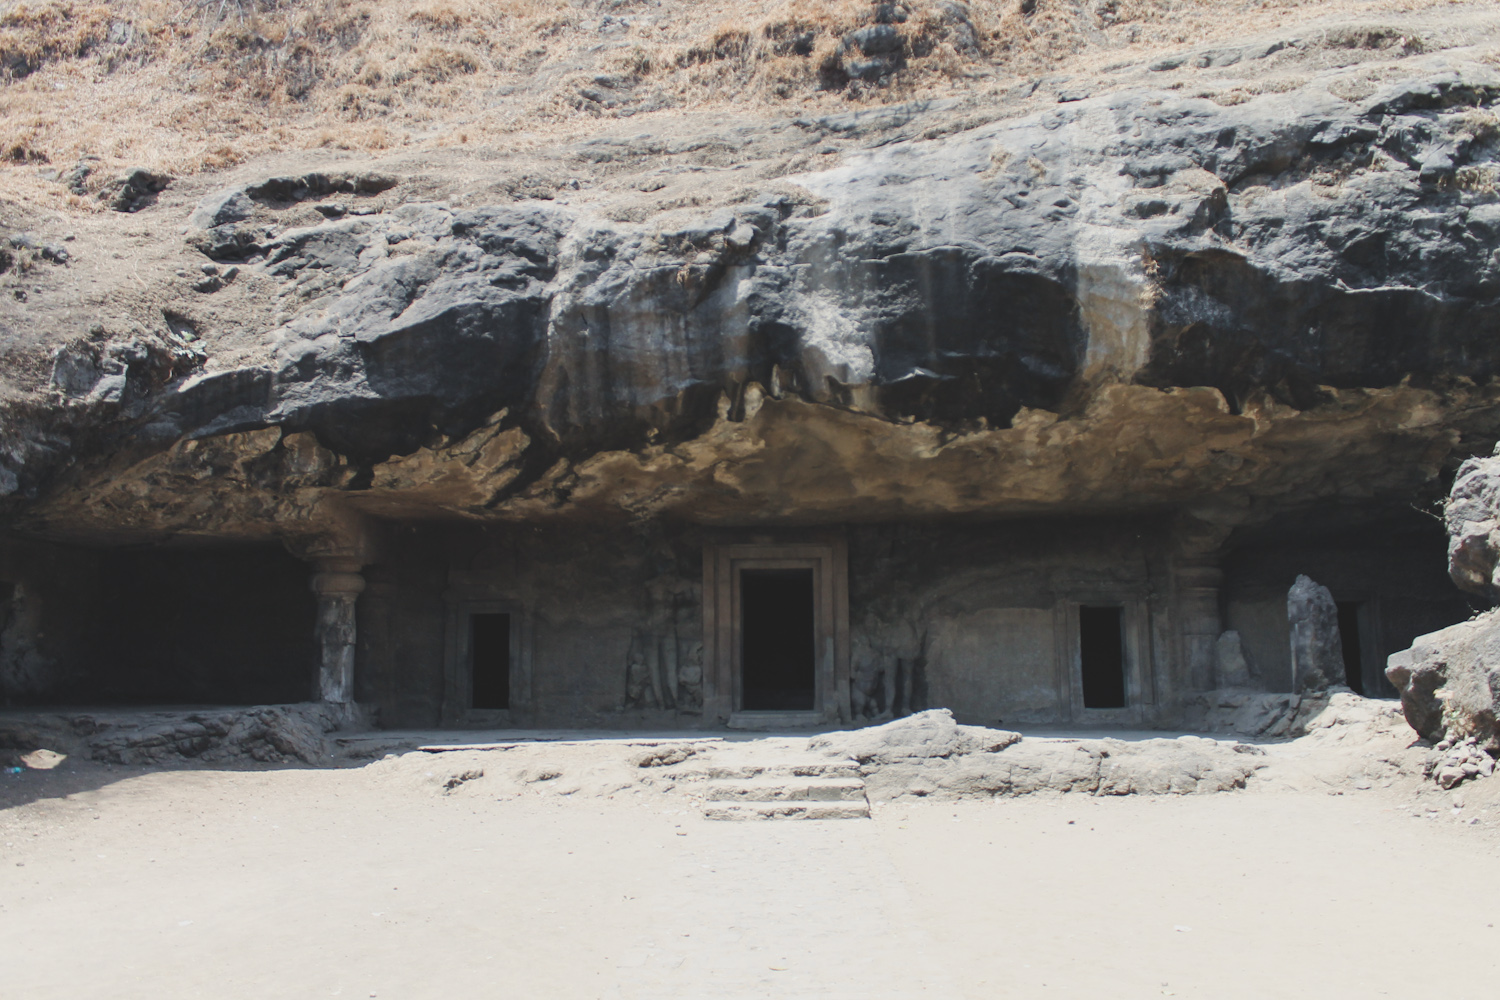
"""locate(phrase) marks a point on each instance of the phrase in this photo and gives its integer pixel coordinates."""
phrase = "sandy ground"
(375, 881)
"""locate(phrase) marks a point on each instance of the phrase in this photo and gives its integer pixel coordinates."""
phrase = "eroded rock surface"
(1317, 647)
(1134, 299)
(922, 736)
(267, 734)
(1450, 679)
(1472, 515)
(1091, 767)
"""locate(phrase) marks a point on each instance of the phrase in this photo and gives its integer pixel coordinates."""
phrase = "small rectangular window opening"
(1354, 668)
(1101, 648)
(489, 660)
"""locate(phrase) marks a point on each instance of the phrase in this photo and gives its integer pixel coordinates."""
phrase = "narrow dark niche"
(1349, 638)
(489, 660)
(1101, 648)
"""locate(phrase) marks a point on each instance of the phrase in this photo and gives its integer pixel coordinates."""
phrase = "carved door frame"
(1135, 624)
(827, 557)
(466, 597)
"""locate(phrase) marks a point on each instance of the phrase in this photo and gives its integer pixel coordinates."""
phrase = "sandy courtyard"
(379, 882)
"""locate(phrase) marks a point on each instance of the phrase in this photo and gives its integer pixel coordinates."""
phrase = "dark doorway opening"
(777, 652)
(230, 625)
(1101, 648)
(489, 660)
(1354, 667)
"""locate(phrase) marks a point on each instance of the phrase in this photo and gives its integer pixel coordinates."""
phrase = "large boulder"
(1472, 514)
(1450, 682)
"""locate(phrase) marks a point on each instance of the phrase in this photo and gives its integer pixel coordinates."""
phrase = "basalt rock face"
(1472, 514)
(1135, 300)
(1450, 680)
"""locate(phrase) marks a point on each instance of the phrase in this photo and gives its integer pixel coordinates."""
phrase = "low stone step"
(786, 810)
(777, 721)
(789, 769)
(780, 789)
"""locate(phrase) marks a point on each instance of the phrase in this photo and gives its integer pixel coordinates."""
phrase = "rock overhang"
(1141, 301)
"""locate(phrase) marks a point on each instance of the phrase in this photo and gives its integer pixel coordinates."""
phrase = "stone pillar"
(1198, 583)
(378, 681)
(338, 583)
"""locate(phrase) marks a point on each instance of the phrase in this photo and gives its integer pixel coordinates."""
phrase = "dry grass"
(190, 85)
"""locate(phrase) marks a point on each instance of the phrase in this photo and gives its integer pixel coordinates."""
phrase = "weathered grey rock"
(53, 253)
(1317, 649)
(1250, 713)
(1472, 515)
(1450, 682)
(1451, 763)
(134, 189)
(76, 179)
(928, 734)
(265, 734)
(222, 208)
(986, 309)
(1185, 765)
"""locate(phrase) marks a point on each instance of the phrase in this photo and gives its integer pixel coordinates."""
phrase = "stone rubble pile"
(1450, 763)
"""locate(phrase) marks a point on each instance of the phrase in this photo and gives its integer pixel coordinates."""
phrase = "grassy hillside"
(183, 87)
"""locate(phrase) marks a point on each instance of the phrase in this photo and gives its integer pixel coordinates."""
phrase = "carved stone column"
(376, 669)
(338, 543)
(338, 584)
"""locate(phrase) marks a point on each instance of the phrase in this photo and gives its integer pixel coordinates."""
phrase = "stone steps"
(786, 789)
(831, 791)
(791, 769)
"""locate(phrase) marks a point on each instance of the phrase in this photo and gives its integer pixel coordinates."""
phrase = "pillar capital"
(1199, 574)
(337, 575)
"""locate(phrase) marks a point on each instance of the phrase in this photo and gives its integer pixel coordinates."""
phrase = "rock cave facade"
(1038, 422)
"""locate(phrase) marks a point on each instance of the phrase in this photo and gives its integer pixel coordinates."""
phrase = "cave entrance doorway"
(776, 630)
(1351, 639)
(1101, 656)
(489, 661)
(778, 641)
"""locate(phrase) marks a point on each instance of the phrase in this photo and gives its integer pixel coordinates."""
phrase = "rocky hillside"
(816, 260)
(187, 85)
